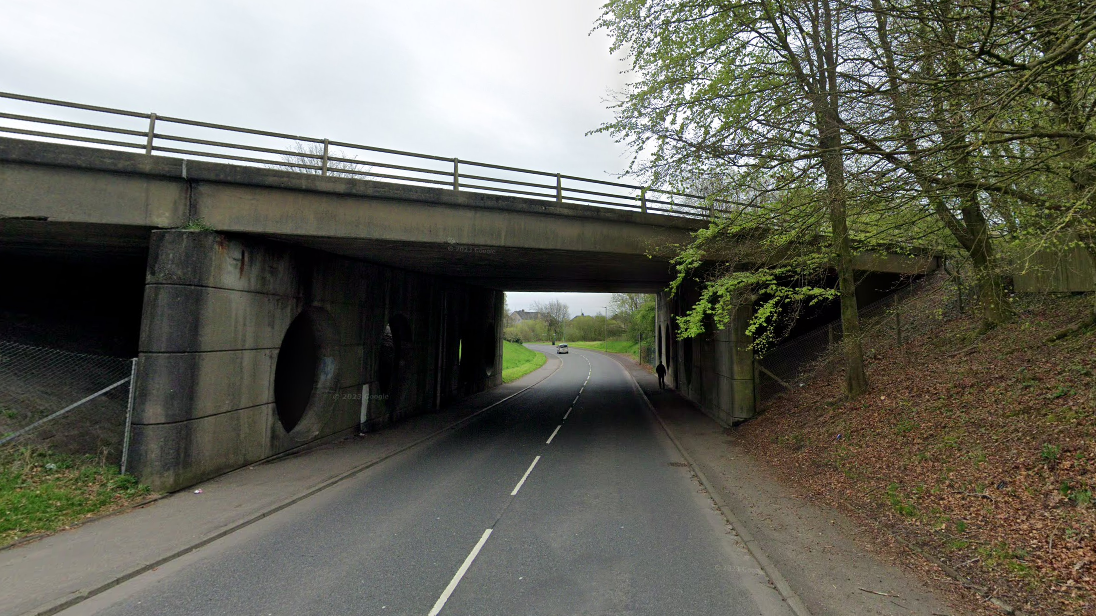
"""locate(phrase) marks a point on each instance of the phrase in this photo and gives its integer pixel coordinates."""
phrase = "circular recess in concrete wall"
(306, 373)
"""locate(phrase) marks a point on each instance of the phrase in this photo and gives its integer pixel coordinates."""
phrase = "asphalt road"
(567, 499)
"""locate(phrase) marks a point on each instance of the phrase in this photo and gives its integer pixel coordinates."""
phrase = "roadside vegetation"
(42, 492)
(628, 347)
(977, 449)
(627, 327)
(813, 134)
(517, 361)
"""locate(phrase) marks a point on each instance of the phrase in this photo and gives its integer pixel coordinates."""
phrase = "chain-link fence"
(69, 402)
(909, 312)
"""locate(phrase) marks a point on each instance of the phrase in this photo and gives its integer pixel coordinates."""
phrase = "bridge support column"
(250, 348)
(715, 370)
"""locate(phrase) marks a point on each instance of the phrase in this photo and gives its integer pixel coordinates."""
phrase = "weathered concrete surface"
(715, 370)
(1067, 270)
(216, 311)
(490, 240)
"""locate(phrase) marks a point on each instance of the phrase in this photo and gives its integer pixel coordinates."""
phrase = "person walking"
(660, 370)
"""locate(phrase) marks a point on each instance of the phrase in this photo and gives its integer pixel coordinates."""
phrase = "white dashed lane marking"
(554, 432)
(526, 475)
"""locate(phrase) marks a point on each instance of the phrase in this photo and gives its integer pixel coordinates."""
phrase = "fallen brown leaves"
(983, 459)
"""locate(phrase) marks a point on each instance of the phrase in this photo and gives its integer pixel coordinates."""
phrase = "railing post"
(326, 144)
(129, 414)
(456, 174)
(643, 200)
(559, 188)
(151, 132)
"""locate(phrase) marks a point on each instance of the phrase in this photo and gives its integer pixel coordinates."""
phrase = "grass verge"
(517, 361)
(630, 347)
(41, 492)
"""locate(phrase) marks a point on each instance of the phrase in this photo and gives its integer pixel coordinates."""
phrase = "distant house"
(518, 316)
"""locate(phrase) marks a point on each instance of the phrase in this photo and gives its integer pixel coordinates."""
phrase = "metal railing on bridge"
(67, 122)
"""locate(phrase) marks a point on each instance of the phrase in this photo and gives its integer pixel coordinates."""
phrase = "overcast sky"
(517, 83)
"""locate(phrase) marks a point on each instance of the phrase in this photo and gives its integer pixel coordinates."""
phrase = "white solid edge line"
(460, 574)
(549, 441)
(525, 476)
(568, 413)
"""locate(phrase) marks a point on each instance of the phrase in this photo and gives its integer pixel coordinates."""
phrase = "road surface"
(566, 499)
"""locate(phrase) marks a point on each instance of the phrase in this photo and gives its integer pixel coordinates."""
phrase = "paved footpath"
(815, 549)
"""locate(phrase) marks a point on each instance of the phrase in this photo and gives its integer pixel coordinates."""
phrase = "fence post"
(129, 413)
(829, 334)
(456, 174)
(326, 143)
(559, 188)
(643, 200)
(898, 319)
(151, 132)
(959, 287)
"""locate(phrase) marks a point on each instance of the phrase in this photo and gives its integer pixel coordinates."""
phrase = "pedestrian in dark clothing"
(660, 370)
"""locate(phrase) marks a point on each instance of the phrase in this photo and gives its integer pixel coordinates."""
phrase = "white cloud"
(492, 80)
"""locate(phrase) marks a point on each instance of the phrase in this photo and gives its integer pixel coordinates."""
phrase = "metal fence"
(908, 313)
(117, 129)
(70, 402)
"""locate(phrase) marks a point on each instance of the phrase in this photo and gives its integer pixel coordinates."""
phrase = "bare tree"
(308, 157)
(555, 315)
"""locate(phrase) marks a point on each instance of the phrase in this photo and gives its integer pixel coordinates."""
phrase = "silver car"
(561, 349)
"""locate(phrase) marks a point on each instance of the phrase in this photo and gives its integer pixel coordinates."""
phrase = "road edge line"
(790, 597)
(83, 595)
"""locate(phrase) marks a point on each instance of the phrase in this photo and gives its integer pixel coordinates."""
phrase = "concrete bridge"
(271, 308)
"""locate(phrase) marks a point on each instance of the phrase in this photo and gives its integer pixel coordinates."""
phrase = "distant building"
(518, 316)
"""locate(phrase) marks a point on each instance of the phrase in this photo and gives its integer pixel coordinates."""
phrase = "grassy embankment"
(628, 347)
(41, 492)
(978, 450)
(517, 361)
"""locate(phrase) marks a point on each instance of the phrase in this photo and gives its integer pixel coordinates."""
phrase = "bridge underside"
(501, 268)
(230, 283)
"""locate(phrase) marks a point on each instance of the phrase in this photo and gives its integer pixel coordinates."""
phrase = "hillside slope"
(978, 451)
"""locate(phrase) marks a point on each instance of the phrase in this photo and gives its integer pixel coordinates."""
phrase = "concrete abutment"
(715, 370)
(215, 361)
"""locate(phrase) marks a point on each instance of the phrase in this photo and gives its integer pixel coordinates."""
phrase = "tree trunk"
(972, 231)
(826, 106)
(856, 378)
